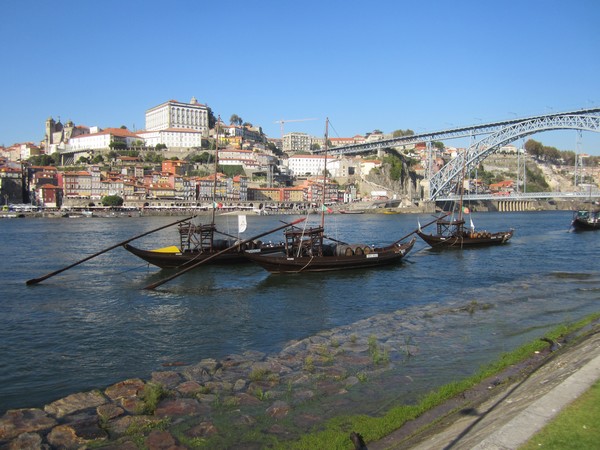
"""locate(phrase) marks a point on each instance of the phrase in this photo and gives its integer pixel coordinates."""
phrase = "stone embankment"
(217, 399)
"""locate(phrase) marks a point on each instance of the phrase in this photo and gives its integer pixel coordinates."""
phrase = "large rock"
(64, 437)
(26, 441)
(188, 388)
(75, 402)
(125, 389)
(122, 425)
(162, 440)
(278, 409)
(18, 421)
(166, 379)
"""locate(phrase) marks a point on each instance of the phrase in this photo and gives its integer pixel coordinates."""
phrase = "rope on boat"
(307, 264)
(302, 236)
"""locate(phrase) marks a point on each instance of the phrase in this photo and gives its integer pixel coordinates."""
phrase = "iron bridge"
(495, 135)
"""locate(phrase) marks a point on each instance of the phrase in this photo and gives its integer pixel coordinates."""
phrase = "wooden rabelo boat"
(586, 220)
(306, 251)
(198, 242)
(452, 232)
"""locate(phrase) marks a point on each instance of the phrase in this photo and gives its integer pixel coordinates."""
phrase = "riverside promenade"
(509, 417)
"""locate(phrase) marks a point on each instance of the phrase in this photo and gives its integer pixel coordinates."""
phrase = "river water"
(94, 325)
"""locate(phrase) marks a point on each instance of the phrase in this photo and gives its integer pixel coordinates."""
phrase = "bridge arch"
(443, 181)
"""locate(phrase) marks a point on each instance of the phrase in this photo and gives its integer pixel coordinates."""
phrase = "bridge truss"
(497, 135)
(444, 180)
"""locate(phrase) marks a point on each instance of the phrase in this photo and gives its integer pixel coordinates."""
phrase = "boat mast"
(214, 190)
(324, 173)
(462, 187)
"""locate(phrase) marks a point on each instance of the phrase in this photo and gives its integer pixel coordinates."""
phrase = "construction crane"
(281, 122)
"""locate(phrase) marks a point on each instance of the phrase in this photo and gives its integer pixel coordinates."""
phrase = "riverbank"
(508, 409)
(371, 207)
(257, 400)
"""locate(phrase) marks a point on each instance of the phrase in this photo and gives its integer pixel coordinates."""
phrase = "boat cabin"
(304, 242)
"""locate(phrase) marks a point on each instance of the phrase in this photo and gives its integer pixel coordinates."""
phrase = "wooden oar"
(423, 226)
(51, 274)
(214, 255)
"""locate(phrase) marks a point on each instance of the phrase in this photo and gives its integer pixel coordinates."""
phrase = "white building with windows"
(310, 165)
(178, 115)
(172, 138)
(102, 139)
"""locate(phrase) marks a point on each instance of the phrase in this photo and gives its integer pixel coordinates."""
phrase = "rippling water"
(93, 325)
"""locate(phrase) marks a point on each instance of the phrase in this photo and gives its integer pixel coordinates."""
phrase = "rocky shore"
(252, 400)
(241, 401)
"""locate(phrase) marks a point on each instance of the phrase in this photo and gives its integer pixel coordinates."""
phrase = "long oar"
(414, 231)
(214, 255)
(51, 274)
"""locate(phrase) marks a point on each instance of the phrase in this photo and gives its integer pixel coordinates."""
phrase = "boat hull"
(455, 241)
(280, 263)
(176, 259)
(581, 224)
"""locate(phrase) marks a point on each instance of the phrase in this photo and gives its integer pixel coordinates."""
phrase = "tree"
(212, 120)
(117, 145)
(112, 200)
(534, 148)
(153, 157)
(401, 133)
(232, 170)
(41, 160)
(203, 158)
(160, 147)
(235, 120)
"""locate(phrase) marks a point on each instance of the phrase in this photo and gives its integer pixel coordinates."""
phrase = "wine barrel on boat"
(360, 249)
(344, 250)
(221, 244)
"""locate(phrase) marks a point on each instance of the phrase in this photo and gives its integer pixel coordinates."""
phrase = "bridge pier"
(514, 205)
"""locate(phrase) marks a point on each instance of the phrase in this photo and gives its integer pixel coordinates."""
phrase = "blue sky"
(383, 65)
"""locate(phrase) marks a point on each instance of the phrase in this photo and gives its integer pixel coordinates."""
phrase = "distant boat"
(585, 220)
(306, 251)
(454, 234)
(351, 211)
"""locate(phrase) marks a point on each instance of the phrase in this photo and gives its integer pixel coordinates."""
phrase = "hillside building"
(177, 115)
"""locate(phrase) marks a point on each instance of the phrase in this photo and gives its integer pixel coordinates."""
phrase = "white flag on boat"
(472, 226)
(419, 225)
(242, 223)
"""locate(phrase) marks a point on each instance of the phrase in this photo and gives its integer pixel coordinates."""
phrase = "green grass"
(151, 396)
(576, 427)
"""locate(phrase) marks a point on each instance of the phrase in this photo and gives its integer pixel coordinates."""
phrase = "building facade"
(296, 142)
(174, 114)
(308, 165)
